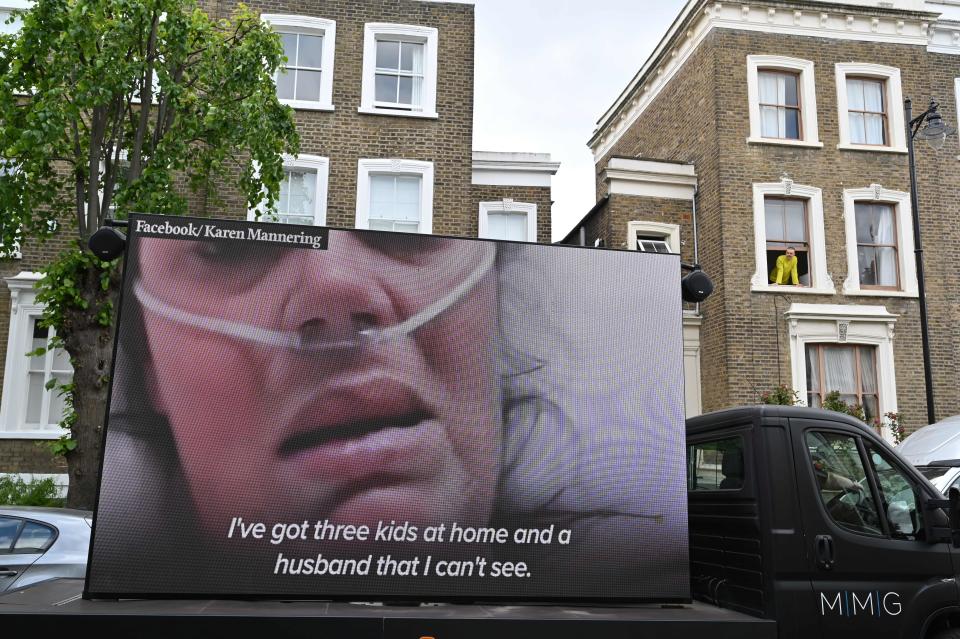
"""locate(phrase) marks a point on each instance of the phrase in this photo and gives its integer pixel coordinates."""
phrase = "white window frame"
(808, 98)
(820, 280)
(311, 25)
(13, 408)
(371, 167)
(412, 33)
(844, 326)
(903, 213)
(303, 161)
(508, 206)
(893, 94)
(669, 232)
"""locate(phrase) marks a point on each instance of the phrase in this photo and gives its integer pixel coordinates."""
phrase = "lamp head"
(935, 130)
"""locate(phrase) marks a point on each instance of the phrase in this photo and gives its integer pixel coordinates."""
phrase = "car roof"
(44, 512)
(939, 441)
(754, 414)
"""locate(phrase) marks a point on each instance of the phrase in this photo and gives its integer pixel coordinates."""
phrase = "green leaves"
(87, 147)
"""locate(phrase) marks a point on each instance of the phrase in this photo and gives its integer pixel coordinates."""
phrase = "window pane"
(770, 122)
(857, 132)
(411, 58)
(872, 96)
(716, 465)
(395, 198)
(792, 122)
(898, 496)
(773, 209)
(8, 530)
(855, 94)
(887, 266)
(386, 88)
(388, 55)
(38, 339)
(35, 391)
(61, 360)
(867, 259)
(311, 51)
(768, 84)
(408, 198)
(285, 84)
(289, 41)
(406, 227)
(841, 481)
(382, 193)
(406, 90)
(796, 221)
(840, 369)
(308, 85)
(302, 187)
(507, 225)
(791, 91)
(380, 225)
(874, 129)
(813, 369)
(868, 367)
(57, 401)
(867, 224)
(33, 537)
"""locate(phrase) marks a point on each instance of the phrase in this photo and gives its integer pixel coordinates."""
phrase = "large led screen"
(303, 412)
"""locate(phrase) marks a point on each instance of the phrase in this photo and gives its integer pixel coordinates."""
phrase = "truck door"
(873, 574)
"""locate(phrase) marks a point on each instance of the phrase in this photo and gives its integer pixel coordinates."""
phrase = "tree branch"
(146, 100)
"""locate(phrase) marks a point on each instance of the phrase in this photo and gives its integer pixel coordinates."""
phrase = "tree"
(111, 106)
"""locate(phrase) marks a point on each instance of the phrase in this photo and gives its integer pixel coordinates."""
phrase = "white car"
(37, 544)
(935, 451)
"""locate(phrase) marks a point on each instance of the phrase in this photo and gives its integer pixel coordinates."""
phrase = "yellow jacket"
(786, 267)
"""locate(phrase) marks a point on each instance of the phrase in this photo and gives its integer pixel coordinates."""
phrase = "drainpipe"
(696, 245)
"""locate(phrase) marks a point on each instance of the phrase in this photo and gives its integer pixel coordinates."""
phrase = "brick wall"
(701, 116)
(689, 135)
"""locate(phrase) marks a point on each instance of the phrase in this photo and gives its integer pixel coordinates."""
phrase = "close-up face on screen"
(391, 416)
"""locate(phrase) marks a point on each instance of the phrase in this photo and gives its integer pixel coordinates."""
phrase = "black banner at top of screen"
(193, 229)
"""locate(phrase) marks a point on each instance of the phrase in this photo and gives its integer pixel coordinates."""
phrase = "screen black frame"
(88, 594)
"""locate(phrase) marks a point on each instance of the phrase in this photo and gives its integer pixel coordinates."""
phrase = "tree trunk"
(90, 346)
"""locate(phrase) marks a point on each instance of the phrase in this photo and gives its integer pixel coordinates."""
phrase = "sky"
(546, 70)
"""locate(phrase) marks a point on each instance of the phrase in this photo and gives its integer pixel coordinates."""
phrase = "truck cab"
(808, 517)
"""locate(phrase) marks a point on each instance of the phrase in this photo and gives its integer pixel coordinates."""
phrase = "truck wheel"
(951, 633)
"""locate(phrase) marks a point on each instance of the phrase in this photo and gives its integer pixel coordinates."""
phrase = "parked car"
(935, 451)
(37, 544)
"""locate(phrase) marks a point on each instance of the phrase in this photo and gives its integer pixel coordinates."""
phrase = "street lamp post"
(935, 132)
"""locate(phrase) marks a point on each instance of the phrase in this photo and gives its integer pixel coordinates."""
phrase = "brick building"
(383, 98)
(759, 126)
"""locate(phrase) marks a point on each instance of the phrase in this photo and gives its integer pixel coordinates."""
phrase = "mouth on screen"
(351, 430)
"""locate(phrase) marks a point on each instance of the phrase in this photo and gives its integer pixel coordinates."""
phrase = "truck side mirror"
(949, 533)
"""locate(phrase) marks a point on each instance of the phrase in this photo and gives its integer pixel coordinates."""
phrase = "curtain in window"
(417, 68)
(873, 101)
(865, 103)
(395, 203)
(876, 235)
(777, 121)
(840, 372)
(813, 378)
(868, 378)
(507, 225)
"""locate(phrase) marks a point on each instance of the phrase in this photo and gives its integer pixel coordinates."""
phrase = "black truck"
(803, 523)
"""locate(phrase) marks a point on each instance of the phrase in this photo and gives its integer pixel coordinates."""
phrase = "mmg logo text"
(847, 603)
